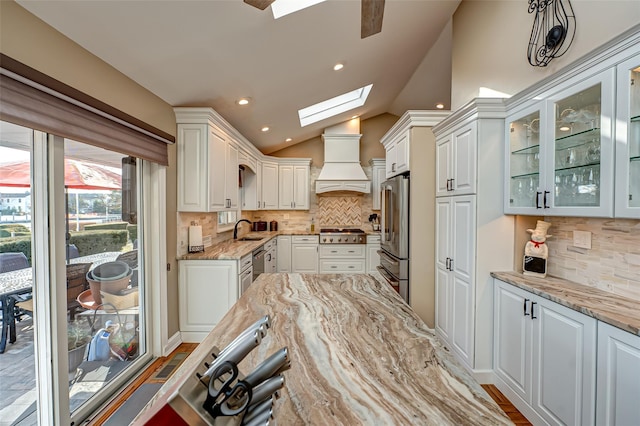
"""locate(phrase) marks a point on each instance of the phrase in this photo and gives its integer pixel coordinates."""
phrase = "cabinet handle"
(452, 179)
(524, 307)
(351, 266)
(538, 193)
(333, 266)
(532, 314)
(544, 200)
(451, 264)
(446, 264)
(393, 167)
(448, 182)
(334, 251)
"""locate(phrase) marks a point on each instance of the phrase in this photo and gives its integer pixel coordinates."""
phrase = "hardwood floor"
(506, 405)
(155, 373)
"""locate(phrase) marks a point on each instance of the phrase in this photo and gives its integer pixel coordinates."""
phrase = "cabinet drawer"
(246, 261)
(331, 266)
(270, 244)
(373, 238)
(342, 251)
(304, 239)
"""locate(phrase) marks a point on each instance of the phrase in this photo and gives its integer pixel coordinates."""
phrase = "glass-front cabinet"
(628, 139)
(560, 152)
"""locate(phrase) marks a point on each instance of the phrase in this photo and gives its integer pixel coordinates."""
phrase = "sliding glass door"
(74, 212)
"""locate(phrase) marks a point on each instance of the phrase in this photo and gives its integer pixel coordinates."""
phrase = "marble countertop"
(235, 249)
(359, 356)
(608, 307)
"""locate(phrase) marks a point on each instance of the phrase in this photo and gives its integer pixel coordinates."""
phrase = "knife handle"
(276, 363)
(235, 354)
(257, 409)
(267, 388)
(261, 325)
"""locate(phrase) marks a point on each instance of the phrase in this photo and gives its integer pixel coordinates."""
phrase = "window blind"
(32, 99)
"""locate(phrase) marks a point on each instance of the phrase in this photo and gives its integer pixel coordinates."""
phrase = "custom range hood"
(341, 170)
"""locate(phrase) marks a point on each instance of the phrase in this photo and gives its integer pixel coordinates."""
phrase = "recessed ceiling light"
(265, 129)
(243, 101)
(354, 117)
(565, 128)
(334, 106)
(288, 140)
(338, 67)
(439, 106)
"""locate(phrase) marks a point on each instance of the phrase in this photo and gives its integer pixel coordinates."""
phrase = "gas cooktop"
(342, 236)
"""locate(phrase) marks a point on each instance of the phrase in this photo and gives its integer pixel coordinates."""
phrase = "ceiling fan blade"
(260, 4)
(372, 11)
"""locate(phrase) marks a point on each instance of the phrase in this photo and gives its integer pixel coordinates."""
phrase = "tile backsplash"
(613, 262)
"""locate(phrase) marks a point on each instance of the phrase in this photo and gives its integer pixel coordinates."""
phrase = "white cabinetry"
(269, 185)
(560, 151)
(397, 155)
(628, 139)
(378, 176)
(284, 253)
(207, 163)
(304, 254)
(544, 357)
(251, 191)
(618, 377)
(294, 186)
(342, 258)
(271, 256)
(206, 291)
(456, 161)
(373, 258)
(466, 247)
(455, 272)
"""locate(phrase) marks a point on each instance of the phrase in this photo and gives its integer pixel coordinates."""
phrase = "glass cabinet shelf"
(635, 119)
(634, 159)
(577, 139)
(534, 149)
(577, 167)
(525, 175)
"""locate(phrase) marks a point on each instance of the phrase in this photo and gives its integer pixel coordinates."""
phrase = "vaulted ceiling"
(214, 52)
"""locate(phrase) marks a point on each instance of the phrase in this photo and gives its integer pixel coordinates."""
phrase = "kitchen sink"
(250, 239)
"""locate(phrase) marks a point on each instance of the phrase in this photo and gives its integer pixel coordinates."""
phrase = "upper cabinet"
(560, 151)
(207, 163)
(293, 191)
(397, 155)
(269, 186)
(456, 162)
(628, 139)
(378, 175)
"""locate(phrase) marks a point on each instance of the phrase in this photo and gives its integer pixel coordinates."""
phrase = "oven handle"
(387, 276)
(388, 258)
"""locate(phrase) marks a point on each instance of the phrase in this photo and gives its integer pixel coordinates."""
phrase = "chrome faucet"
(235, 228)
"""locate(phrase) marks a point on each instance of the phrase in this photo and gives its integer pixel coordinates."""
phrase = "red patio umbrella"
(77, 175)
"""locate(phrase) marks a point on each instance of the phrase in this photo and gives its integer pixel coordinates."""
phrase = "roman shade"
(35, 100)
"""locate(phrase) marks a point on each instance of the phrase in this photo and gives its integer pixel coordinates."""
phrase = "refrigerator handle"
(385, 208)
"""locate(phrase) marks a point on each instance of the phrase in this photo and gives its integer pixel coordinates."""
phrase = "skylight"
(334, 106)
(281, 8)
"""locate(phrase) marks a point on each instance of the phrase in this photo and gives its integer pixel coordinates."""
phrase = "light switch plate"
(582, 239)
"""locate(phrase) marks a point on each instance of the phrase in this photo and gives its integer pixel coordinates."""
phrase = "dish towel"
(195, 239)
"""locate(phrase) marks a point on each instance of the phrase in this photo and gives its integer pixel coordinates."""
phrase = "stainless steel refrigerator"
(394, 238)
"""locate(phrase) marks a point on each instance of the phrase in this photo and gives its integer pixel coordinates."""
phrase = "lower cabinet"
(284, 253)
(304, 254)
(373, 258)
(618, 397)
(342, 258)
(544, 357)
(206, 291)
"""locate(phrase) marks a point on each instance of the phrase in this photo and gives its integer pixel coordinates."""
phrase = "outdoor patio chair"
(13, 261)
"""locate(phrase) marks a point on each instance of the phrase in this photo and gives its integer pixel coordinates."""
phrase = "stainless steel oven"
(394, 237)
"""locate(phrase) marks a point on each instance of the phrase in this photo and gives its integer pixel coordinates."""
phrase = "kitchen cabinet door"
(269, 186)
(627, 186)
(284, 253)
(231, 177)
(293, 187)
(390, 160)
(456, 162)
(564, 348)
(512, 339)
(618, 377)
(304, 259)
(544, 357)
(206, 289)
(402, 154)
(378, 175)
(193, 168)
(563, 147)
(217, 171)
(455, 274)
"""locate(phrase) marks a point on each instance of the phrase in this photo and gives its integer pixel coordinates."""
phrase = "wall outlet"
(582, 239)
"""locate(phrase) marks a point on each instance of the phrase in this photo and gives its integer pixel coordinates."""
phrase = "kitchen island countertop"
(605, 306)
(359, 355)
